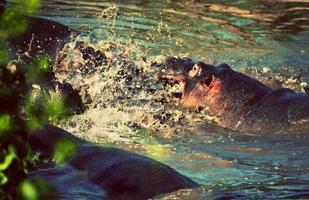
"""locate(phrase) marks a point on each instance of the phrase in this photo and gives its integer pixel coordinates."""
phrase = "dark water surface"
(272, 33)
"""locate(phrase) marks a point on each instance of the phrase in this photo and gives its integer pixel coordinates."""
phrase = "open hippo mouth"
(201, 84)
(187, 73)
(175, 70)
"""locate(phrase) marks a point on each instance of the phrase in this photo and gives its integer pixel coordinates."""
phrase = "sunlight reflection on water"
(241, 33)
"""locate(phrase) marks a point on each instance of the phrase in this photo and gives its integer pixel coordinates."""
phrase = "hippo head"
(223, 92)
(175, 70)
(198, 80)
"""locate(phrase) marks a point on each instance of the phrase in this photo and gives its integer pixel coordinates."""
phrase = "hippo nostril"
(208, 80)
(177, 94)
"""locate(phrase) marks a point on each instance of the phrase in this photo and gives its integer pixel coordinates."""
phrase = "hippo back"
(280, 109)
(43, 37)
(235, 95)
(125, 175)
(122, 174)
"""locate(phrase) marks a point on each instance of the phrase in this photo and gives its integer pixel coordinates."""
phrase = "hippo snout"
(175, 69)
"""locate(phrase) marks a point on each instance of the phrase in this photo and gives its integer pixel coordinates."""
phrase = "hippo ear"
(206, 68)
(222, 68)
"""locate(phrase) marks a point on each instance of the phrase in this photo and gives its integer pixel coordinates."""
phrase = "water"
(272, 166)
(242, 33)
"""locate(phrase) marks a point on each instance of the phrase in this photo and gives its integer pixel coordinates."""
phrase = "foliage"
(25, 106)
(64, 148)
(28, 190)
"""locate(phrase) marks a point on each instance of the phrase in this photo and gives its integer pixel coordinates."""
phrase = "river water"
(239, 32)
(242, 33)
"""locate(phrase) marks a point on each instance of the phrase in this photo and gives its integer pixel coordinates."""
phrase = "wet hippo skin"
(122, 174)
(42, 37)
(238, 101)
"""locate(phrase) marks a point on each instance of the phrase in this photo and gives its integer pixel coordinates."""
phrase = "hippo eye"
(194, 71)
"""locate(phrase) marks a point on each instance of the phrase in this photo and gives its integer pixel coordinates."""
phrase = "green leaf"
(28, 191)
(3, 178)
(4, 55)
(43, 63)
(8, 159)
(31, 5)
(64, 148)
(34, 110)
(34, 123)
(12, 23)
(5, 123)
(54, 106)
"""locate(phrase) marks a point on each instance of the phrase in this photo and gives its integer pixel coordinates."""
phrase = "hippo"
(42, 37)
(237, 101)
(121, 174)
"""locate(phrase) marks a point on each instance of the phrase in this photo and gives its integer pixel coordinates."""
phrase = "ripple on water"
(241, 33)
(69, 183)
(247, 30)
(249, 166)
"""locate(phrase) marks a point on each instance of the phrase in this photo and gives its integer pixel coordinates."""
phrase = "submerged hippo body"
(46, 38)
(42, 37)
(121, 174)
(238, 101)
